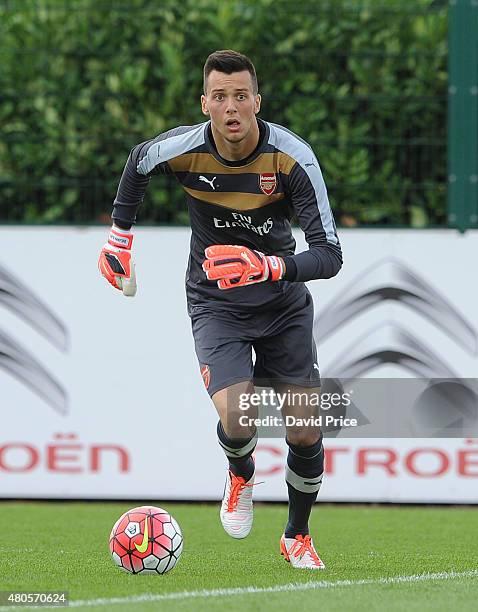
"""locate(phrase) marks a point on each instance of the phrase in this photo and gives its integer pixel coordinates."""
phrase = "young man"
(244, 179)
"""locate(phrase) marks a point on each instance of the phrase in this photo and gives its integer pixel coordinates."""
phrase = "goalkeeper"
(244, 179)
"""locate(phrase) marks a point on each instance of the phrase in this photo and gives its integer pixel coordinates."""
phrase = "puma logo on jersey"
(209, 182)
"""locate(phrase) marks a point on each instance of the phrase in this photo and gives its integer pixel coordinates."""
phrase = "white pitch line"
(251, 590)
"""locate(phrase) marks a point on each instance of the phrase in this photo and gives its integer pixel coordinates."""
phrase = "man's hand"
(115, 262)
(237, 266)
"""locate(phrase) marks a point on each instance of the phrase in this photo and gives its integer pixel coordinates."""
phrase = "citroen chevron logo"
(388, 342)
(15, 358)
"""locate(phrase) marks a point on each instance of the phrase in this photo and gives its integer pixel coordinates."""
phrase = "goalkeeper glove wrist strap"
(120, 238)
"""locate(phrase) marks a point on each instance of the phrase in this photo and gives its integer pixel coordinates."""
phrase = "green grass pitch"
(64, 546)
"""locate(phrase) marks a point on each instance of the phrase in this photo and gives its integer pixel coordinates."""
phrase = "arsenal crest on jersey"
(268, 182)
(206, 375)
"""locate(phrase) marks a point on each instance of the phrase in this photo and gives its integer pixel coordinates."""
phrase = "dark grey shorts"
(282, 341)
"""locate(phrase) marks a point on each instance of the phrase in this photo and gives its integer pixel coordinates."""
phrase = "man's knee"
(302, 407)
(236, 420)
(303, 436)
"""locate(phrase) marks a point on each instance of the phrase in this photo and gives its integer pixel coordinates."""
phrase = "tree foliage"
(82, 81)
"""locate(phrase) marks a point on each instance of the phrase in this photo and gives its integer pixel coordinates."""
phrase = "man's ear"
(257, 103)
(204, 105)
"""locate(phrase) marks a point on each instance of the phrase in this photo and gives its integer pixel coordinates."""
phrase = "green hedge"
(82, 81)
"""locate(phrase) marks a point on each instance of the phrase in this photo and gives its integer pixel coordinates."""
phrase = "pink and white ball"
(146, 540)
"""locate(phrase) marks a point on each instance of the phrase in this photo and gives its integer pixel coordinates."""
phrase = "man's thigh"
(223, 350)
(286, 353)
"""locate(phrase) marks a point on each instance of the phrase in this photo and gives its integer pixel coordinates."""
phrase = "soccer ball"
(146, 540)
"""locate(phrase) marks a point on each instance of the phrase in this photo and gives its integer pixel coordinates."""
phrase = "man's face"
(231, 104)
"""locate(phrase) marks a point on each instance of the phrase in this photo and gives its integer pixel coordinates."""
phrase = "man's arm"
(309, 198)
(147, 158)
(237, 266)
(144, 161)
(115, 261)
(133, 184)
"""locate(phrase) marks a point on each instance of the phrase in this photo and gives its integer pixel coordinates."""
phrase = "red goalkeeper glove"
(237, 266)
(115, 262)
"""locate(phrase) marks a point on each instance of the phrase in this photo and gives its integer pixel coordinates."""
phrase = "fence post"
(463, 114)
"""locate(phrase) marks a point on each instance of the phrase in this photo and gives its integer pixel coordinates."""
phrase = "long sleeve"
(132, 186)
(309, 199)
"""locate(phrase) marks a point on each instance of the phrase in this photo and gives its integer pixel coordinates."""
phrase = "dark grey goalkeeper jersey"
(250, 203)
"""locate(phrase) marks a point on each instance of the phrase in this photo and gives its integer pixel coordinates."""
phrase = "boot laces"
(303, 545)
(238, 484)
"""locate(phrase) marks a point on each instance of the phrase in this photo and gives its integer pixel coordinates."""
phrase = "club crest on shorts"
(206, 375)
(267, 182)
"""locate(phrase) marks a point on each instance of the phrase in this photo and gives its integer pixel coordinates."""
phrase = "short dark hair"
(229, 61)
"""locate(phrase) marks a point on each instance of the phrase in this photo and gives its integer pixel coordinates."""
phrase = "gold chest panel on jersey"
(266, 166)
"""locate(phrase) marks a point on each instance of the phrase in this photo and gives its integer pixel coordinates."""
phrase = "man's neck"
(236, 151)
